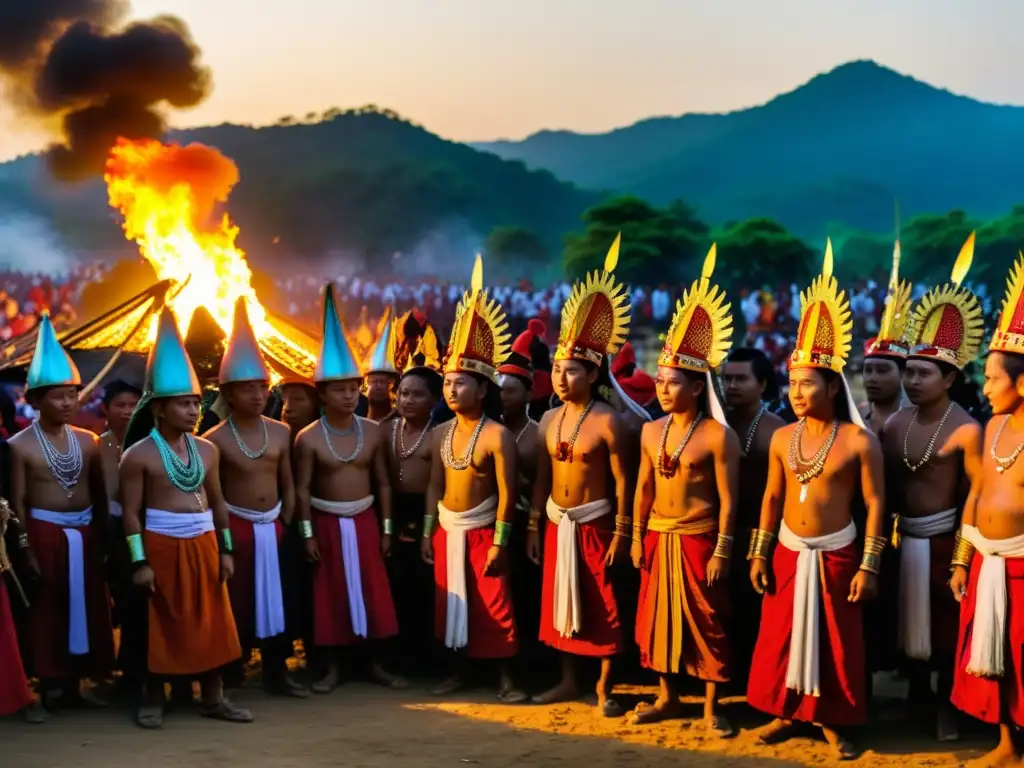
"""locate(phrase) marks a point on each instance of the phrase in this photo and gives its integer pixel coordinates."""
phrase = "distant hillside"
(363, 180)
(841, 148)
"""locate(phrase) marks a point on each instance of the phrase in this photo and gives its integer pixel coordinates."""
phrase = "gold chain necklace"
(816, 465)
(931, 443)
(1004, 463)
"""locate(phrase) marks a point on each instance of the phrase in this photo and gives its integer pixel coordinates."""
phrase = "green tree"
(760, 252)
(513, 246)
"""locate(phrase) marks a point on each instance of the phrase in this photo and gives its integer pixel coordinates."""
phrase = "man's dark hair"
(842, 407)
(433, 380)
(116, 388)
(760, 366)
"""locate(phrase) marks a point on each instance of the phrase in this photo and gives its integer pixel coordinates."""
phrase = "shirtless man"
(256, 479)
(582, 475)
(932, 452)
(684, 512)
(749, 381)
(301, 404)
(338, 458)
(178, 535)
(817, 468)
(57, 488)
(988, 559)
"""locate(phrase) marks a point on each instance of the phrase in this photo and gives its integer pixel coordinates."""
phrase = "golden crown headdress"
(947, 323)
(480, 337)
(1009, 333)
(826, 328)
(891, 340)
(701, 332)
(595, 318)
(416, 343)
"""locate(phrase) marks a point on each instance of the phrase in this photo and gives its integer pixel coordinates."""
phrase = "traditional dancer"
(58, 489)
(581, 469)
(809, 660)
(15, 695)
(256, 479)
(931, 451)
(178, 534)
(380, 371)
(473, 488)
(339, 458)
(988, 558)
(684, 511)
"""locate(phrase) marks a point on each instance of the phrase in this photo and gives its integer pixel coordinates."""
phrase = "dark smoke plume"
(69, 59)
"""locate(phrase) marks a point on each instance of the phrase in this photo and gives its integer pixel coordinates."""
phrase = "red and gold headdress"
(826, 329)
(947, 323)
(701, 332)
(480, 337)
(1009, 333)
(595, 319)
(416, 343)
(891, 340)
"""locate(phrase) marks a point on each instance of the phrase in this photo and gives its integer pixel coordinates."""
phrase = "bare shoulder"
(498, 435)
(863, 440)
(21, 440)
(86, 436)
(277, 428)
(547, 418)
(306, 434)
(966, 431)
(717, 433)
(652, 428)
(138, 454)
(771, 422)
(207, 448)
(216, 430)
(899, 421)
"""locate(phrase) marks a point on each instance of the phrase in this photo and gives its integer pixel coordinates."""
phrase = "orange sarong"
(191, 627)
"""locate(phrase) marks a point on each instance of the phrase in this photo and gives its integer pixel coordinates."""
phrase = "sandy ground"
(363, 726)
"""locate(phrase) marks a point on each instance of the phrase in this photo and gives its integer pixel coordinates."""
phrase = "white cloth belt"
(803, 674)
(455, 524)
(988, 634)
(116, 510)
(915, 628)
(345, 511)
(179, 525)
(78, 621)
(269, 598)
(568, 611)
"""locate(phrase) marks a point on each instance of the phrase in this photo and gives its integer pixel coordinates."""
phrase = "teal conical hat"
(243, 360)
(382, 355)
(169, 371)
(51, 365)
(335, 361)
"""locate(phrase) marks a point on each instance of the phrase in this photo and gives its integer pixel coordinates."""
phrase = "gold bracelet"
(871, 560)
(623, 526)
(760, 544)
(638, 534)
(723, 547)
(963, 553)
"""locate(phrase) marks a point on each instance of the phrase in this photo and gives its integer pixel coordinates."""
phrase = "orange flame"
(167, 195)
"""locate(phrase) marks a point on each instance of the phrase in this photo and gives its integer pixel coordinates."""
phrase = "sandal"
(512, 696)
(150, 718)
(226, 711)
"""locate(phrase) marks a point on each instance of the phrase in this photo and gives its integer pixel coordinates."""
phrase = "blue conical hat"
(169, 371)
(51, 365)
(242, 359)
(335, 361)
(382, 355)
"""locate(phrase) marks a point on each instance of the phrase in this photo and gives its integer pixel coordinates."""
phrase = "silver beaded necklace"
(398, 442)
(448, 456)
(249, 454)
(357, 427)
(752, 429)
(65, 467)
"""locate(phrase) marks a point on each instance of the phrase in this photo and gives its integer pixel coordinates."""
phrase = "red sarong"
(686, 634)
(14, 691)
(601, 634)
(980, 697)
(842, 673)
(492, 622)
(47, 626)
(332, 623)
(242, 587)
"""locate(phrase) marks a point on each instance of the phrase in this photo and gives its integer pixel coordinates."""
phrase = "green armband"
(135, 548)
(306, 529)
(389, 526)
(502, 533)
(227, 546)
(428, 525)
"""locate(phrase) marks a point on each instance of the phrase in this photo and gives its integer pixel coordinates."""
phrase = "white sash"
(78, 621)
(269, 598)
(803, 674)
(345, 511)
(988, 634)
(179, 525)
(455, 524)
(116, 510)
(568, 612)
(915, 622)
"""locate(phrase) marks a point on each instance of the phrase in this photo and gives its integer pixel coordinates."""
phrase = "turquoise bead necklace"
(185, 476)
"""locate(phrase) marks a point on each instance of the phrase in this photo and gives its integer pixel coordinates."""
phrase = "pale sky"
(481, 69)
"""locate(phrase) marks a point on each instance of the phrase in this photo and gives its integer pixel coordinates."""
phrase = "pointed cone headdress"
(947, 324)
(479, 341)
(382, 355)
(51, 365)
(595, 319)
(336, 361)
(243, 360)
(1009, 333)
(891, 340)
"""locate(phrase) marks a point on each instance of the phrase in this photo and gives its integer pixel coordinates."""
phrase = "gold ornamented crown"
(891, 340)
(947, 323)
(701, 332)
(480, 337)
(419, 348)
(826, 328)
(1009, 333)
(595, 318)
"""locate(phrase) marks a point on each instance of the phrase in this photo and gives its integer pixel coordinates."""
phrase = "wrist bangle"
(306, 529)
(389, 526)
(963, 553)
(224, 539)
(623, 526)
(428, 525)
(502, 533)
(760, 544)
(723, 547)
(533, 526)
(135, 548)
(871, 560)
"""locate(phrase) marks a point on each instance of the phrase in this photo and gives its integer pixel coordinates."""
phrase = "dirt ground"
(363, 726)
